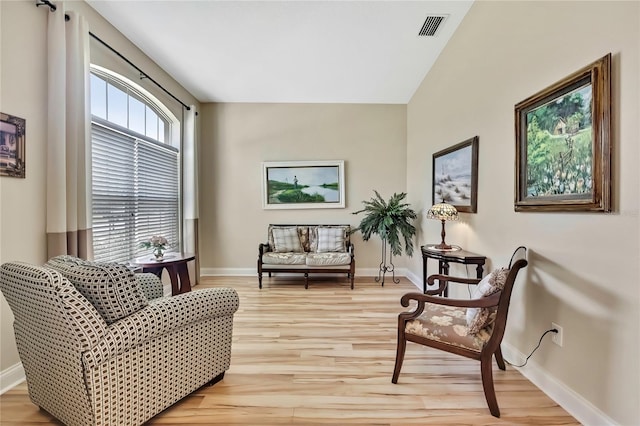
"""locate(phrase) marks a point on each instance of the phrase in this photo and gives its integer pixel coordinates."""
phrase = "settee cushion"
(330, 235)
(273, 258)
(331, 240)
(328, 259)
(303, 235)
(110, 287)
(478, 318)
(286, 240)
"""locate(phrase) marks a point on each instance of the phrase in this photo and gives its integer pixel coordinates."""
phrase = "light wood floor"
(325, 356)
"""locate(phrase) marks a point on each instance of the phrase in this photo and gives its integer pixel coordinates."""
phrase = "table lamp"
(442, 212)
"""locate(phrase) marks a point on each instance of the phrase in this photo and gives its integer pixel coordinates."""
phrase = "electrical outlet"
(557, 337)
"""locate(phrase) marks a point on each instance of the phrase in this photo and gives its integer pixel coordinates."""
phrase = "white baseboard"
(373, 272)
(585, 412)
(415, 280)
(247, 272)
(11, 377)
(228, 272)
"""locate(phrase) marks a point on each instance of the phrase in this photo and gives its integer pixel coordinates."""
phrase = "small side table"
(176, 266)
(444, 257)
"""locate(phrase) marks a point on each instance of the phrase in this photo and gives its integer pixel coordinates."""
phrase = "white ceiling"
(289, 51)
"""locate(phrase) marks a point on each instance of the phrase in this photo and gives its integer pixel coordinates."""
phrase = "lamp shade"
(442, 211)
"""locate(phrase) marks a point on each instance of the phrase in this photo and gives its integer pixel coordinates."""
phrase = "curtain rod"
(53, 8)
(142, 73)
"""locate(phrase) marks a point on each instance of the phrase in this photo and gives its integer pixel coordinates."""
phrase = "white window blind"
(135, 193)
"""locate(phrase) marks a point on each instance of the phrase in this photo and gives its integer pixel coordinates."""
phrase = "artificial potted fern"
(390, 220)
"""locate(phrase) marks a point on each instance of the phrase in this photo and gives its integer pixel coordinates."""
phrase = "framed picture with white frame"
(303, 185)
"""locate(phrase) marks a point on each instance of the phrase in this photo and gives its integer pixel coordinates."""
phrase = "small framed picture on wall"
(455, 176)
(12, 145)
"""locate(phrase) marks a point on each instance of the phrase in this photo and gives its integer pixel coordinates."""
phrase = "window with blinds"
(135, 193)
(135, 167)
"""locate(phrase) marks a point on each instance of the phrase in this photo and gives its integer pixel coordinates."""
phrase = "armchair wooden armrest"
(444, 280)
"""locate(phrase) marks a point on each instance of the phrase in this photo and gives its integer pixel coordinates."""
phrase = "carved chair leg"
(500, 359)
(260, 280)
(402, 346)
(487, 384)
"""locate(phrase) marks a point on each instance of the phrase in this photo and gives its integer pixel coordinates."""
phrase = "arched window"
(135, 168)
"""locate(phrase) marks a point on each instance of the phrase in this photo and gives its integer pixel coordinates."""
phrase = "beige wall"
(584, 267)
(237, 138)
(23, 93)
(23, 85)
(583, 271)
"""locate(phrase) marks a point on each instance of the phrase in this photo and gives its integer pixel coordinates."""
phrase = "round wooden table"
(176, 266)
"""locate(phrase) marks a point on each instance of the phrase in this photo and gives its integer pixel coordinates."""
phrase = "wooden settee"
(307, 249)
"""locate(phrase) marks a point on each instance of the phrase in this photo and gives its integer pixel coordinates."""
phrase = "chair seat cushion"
(328, 259)
(272, 258)
(448, 324)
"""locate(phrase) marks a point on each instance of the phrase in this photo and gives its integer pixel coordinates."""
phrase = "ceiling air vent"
(431, 25)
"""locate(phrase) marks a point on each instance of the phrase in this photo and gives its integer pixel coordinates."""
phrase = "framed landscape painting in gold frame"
(563, 144)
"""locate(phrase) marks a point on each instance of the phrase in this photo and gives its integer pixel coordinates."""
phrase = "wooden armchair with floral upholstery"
(472, 328)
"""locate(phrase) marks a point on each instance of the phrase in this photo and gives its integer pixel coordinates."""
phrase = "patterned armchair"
(97, 352)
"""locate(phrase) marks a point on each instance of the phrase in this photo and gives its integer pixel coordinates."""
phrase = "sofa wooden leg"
(306, 280)
(216, 379)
